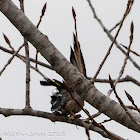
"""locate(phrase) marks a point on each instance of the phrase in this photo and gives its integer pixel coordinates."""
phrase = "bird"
(63, 101)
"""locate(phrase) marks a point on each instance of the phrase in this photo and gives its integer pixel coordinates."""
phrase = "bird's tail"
(76, 57)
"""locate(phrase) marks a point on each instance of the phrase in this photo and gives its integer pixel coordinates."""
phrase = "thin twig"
(127, 78)
(105, 121)
(23, 58)
(94, 116)
(39, 72)
(132, 107)
(121, 103)
(126, 58)
(132, 101)
(42, 14)
(130, 50)
(8, 41)
(34, 68)
(109, 50)
(109, 34)
(87, 132)
(27, 74)
(115, 26)
(27, 65)
(31, 59)
(10, 60)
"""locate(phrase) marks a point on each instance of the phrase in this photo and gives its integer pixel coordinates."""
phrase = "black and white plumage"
(62, 100)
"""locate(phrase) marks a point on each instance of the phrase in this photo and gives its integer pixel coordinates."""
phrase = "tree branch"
(31, 59)
(30, 112)
(125, 60)
(71, 75)
(10, 60)
(127, 78)
(121, 102)
(27, 105)
(109, 34)
(117, 33)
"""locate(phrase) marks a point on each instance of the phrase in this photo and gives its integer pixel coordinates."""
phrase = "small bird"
(62, 101)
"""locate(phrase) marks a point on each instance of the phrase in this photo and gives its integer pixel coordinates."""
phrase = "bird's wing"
(56, 102)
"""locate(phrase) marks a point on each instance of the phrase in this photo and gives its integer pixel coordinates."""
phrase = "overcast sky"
(58, 25)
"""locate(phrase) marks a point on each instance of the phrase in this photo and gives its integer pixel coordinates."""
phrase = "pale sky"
(58, 25)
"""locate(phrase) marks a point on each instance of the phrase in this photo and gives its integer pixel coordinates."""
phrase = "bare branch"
(105, 121)
(131, 107)
(23, 58)
(129, 5)
(27, 74)
(30, 112)
(115, 26)
(120, 21)
(42, 14)
(27, 64)
(10, 60)
(109, 34)
(31, 59)
(87, 132)
(94, 116)
(127, 78)
(132, 101)
(121, 103)
(8, 41)
(130, 50)
(126, 58)
(34, 68)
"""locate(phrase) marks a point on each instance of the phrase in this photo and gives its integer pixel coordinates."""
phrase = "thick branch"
(53, 118)
(71, 75)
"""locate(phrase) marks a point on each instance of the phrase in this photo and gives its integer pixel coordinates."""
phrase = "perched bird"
(62, 101)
